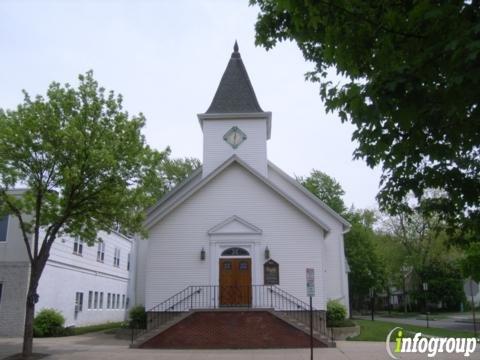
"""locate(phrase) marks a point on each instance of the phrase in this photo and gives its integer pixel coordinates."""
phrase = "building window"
(95, 301)
(3, 228)
(78, 301)
(77, 246)
(235, 252)
(128, 262)
(118, 301)
(123, 301)
(90, 299)
(78, 304)
(116, 257)
(108, 300)
(101, 251)
(1, 289)
(100, 304)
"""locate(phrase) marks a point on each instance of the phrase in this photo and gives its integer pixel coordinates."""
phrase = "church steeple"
(235, 124)
(235, 93)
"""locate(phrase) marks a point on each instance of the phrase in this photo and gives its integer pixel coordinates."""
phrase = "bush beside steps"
(50, 323)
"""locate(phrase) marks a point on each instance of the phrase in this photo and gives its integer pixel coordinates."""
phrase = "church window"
(235, 251)
(235, 137)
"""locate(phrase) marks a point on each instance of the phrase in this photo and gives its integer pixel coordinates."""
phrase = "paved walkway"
(99, 346)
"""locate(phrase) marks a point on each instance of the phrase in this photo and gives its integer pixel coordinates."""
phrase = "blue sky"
(166, 58)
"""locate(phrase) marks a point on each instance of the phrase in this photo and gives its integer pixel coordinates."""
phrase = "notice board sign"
(271, 273)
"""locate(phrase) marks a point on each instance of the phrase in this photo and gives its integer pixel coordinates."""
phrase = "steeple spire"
(235, 93)
(235, 48)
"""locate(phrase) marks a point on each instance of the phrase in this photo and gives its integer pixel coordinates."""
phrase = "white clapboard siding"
(73, 273)
(253, 151)
(174, 245)
(336, 278)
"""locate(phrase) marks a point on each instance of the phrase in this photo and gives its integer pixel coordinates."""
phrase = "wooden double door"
(235, 282)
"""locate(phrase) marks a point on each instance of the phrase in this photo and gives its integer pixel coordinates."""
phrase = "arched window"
(235, 251)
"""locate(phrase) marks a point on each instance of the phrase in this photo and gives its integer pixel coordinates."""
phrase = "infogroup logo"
(427, 344)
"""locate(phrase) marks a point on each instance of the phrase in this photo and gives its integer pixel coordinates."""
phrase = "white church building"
(239, 228)
(238, 235)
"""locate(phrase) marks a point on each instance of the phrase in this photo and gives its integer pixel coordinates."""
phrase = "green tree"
(416, 239)
(325, 188)
(445, 285)
(86, 168)
(410, 85)
(470, 262)
(366, 266)
(367, 269)
(175, 171)
(421, 235)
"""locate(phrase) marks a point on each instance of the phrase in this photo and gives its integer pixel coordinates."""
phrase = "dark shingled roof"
(235, 93)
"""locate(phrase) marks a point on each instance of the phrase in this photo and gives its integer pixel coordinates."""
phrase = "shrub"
(340, 323)
(48, 322)
(138, 317)
(336, 312)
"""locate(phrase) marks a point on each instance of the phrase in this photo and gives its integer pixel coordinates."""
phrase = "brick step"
(300, 325)
(234, 329)
(156, 331)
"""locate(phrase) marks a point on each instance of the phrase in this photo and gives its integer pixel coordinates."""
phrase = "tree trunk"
(28, 331)
(32, 299)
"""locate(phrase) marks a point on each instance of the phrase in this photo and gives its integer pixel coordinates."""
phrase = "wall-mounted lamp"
(202, 254)
(267, 253)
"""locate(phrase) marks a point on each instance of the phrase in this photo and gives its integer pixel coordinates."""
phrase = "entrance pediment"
(235, 225)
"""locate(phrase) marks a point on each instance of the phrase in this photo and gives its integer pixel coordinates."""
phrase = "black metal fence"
(197, 297)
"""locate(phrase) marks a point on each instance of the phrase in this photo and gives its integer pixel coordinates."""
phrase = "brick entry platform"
(231, 330)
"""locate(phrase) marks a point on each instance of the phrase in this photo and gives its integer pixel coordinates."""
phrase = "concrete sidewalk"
(105, 347)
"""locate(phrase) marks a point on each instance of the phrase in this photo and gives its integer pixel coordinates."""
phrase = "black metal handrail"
(184, 299)
(220, 296)
(290, 297)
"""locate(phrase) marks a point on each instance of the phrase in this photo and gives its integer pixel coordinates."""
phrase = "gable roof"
(311, 196)
(181, 188)
(164, 207)
(234, 225)
(235, 93)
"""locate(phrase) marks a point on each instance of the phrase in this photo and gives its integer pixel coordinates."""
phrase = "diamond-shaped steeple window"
(235, 137)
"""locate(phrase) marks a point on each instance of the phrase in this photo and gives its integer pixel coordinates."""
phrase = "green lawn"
(378, 330)
(413, 315)
(396, 314)
(93, 328)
